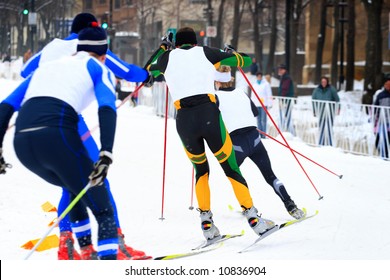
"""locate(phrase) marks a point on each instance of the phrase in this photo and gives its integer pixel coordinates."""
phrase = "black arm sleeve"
(107, 121)
(159, 68)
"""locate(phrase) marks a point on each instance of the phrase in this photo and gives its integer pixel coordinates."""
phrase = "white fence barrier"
(354, 128)
(11, 70)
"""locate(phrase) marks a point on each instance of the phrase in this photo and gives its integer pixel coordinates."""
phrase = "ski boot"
(258, 224)
(210, 231)
(126, 252)
(88, 253)
(66, 250)
(293, 210)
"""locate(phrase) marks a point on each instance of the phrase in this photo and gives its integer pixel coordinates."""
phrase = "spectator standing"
(285, 94)
(382, 120)
(27, 55)
(264, 92)
(325, 99)
(7, 58)
(254, 68)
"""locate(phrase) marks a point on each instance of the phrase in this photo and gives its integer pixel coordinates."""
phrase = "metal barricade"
(354, 128)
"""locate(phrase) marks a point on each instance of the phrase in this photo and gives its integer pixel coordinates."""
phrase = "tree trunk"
(373, 67)
(142, 33)
(297, 8)
(257, 39)
(272, 46)
(236, 28)
(219, 39)
(20, 48)
(350, 71)
(294, 27)
(336, 43)
(320, 42)
(236, 24)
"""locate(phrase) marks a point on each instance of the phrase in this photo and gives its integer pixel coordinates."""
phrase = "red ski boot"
(126, 252)
(66, 250)
(88, 253)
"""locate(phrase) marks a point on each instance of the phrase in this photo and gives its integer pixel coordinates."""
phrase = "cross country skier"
(46, 136)
(239, 112)
(189, 73)
(66, 47)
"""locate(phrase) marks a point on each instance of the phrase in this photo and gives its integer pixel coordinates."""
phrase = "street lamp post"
(32, 21)
(208, 14)
(111, 28)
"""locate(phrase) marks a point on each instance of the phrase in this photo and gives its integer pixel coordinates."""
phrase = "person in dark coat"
(285, 94)
(325, 98)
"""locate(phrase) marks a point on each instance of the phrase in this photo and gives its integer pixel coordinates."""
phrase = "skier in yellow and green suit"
(189, 71)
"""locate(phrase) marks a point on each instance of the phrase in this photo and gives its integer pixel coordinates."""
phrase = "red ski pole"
(276, 140)
(165, 154)
(277, 128)
(130, 95)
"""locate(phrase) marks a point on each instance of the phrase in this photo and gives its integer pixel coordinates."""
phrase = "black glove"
(149, 80)
(3, 164)
(167, 41)
(229, 48)
(100, 170)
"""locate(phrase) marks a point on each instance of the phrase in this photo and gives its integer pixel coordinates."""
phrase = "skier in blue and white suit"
(121, 69)
(67, 46)
(46, 138)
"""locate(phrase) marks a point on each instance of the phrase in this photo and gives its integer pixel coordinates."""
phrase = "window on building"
(117, 4)
(102, 1)
(88, 4)
(128, 2)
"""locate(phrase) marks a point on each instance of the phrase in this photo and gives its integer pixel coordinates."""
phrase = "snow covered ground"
(349, 237)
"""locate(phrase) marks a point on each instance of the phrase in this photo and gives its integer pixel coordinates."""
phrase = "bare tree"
(50, 14)
(146, 11)
(238, 11)
(11, 16)
(255, 8)
(219, 39)
(273, 37)
(336, 43)
(298, 7)
(350, 71)
(373, 67)
(321, 40)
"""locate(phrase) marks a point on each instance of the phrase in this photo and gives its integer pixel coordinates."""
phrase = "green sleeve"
(219, 57)
(237, 59)
(158, 62)
(154, 57)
